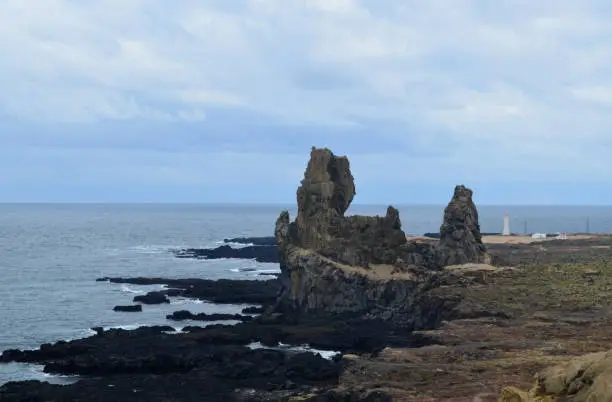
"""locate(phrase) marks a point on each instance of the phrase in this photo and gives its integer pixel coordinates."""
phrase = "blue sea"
(51, 254)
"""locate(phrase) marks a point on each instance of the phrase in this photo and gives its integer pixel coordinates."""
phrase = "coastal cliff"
(364, 265)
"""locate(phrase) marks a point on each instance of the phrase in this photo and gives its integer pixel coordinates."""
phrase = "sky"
(221, 100)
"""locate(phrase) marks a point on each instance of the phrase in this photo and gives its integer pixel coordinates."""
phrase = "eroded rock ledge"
(332, 263)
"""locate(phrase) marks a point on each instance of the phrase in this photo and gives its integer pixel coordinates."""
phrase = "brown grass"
(559, 310)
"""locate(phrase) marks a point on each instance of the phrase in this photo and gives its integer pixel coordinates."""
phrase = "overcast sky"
(221, 100)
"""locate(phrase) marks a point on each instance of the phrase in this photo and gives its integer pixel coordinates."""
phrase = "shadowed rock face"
(460, 238)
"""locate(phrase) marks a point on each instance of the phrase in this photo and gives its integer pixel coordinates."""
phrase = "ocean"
(51, 254)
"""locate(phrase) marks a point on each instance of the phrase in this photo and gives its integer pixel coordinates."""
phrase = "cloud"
(510, 90)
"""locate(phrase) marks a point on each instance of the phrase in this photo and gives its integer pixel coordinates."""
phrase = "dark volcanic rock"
(253, 310)
(460, 237)
(149, 365)
(259, 253)
(216, 291)
(275, 274)
(256, 241)
(187, 315)
(157, 297)
(128, 309)
(323, 197)
(204, 364)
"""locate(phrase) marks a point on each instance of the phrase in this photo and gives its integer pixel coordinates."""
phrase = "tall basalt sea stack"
(460, 238)
(325, 194)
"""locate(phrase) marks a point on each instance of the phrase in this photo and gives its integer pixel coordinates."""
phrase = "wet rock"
(128, 309)
(187, 315)
(253, 310)
(258, 253)
(157, 297)
(256, 241)
(216, 291)
(148, 364)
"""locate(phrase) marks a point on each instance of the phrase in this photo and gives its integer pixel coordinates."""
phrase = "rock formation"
(460, 238)
(326, 192)
(334, 264)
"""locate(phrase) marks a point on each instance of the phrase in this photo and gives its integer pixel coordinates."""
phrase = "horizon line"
(277, 204)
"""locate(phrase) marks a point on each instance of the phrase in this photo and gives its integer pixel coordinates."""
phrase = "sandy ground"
(499, 239)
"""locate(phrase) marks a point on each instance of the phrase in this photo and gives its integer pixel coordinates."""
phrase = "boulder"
(460, 237)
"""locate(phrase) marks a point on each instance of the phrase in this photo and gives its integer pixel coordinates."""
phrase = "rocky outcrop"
(585, 378)
(156, 297)
(183, 315)
(316, 285)
(460, 237)
(148, 364)
(215, 291)
(260, 253)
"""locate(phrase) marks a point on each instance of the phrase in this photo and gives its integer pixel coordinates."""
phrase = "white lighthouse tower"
(506, 231)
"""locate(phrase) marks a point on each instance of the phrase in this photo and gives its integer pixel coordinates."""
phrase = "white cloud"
(509, 82)
(597, 94)
(211, 97)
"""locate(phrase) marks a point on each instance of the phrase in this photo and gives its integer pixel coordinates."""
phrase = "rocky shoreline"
(210, 363)
(443, 320)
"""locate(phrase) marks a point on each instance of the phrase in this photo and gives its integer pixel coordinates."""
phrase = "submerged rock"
(129, 309)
